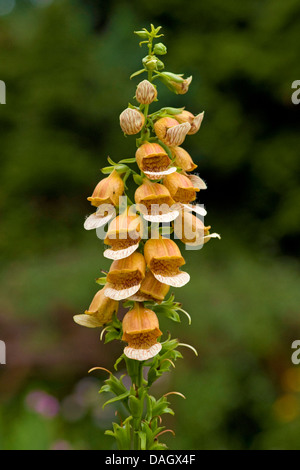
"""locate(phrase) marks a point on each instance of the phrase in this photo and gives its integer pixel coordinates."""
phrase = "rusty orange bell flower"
(108, 190)
(164, 259)
(123, 235)
(140, 331)
(151, 289)
(99, 312)
(191, 230)
(154, 201)
(180, 188)
(183, 159)
(153, 160)
(125, 277)
(132, 121)
(194, 121)
(170, 132)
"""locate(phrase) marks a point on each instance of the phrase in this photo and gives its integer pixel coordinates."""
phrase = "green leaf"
(120, 359)
(139, 72)
(107, 169)
(101, 281)
(143, 440)
(138, 179)
(128, 160)
(117, 398)
(142, 34)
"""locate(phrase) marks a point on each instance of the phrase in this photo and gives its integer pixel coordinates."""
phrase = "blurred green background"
(66, 65)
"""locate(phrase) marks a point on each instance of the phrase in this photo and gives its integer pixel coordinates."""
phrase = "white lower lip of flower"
(197, 182)
(142, 354)
(179, 280)
(198, 209)
(168, 217)
(212, 235)
(87, 320)
(120, 254)
(95, 221)
(152, 175)
(116, 294)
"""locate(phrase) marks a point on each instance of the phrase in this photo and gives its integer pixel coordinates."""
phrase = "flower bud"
(140, 331)
(170, 132)
(145, 93)
(183, 159)
(108, 190)
(160, 49)
(153, 160)
(180, 188)
(195, 121)
(164, 259)
(131, 121)
(99, 312)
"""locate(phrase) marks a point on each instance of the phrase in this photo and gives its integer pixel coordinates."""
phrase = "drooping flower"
(195, 121)
(164, 259)
(190, 229)
(183, 159)
(180, 188)
(145, 93)
(108, 190)
(123, 235)
(99, 312)
(151, 289)
(125, 277)
(140, 331)
(181, 88)
(153, 160)
(131, 121)
(170, 132)
(155, 202)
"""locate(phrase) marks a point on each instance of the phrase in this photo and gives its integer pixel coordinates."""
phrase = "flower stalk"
(144, 269)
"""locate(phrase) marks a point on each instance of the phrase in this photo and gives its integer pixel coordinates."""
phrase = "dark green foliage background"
(66, 67)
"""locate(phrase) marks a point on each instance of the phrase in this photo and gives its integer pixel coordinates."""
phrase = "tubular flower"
(180, 188)
(99, 312)
(151, 289)
(124, 234)
(170, 132)
(125, 277)
(155, 202)
(183, 159)
(140, 331)
(145, 93)
(191, 230)
(153, 160)
(181, 88)
(164, 259)
(131, 121)
(195, 121)
(108, 190)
